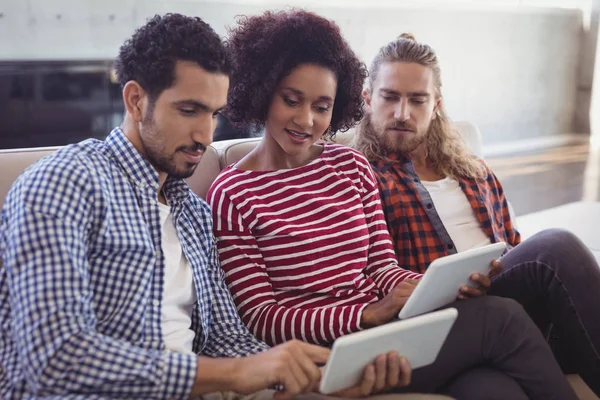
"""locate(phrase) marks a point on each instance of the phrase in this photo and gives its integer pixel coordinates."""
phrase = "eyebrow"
(300, 93)
(197, 104)
(410, 94)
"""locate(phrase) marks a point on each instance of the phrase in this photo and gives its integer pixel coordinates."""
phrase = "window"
(63, 86)
(21, 87)
(56, 103)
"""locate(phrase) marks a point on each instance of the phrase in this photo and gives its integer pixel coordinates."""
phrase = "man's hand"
(387, 308)
(387, 372)
(292, 365)
(483, 282)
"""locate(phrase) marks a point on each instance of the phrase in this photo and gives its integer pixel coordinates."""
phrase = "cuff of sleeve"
(416, 276)
(356, 322)
(180, 375)
(400, 278)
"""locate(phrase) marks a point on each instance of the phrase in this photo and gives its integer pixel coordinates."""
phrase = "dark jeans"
(494, 351)
(557, 280)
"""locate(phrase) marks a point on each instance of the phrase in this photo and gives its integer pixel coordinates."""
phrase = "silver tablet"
(418, 339)
(444, 277)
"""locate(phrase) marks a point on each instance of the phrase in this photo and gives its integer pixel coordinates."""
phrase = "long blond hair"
(447, 152)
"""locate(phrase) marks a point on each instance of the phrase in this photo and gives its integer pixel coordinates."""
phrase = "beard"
(391, 142)
(151, 136)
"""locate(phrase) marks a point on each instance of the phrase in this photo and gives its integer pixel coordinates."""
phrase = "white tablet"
(441, 282)
(418, 339)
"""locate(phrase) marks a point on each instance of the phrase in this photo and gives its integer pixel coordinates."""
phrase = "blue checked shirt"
(81, 282)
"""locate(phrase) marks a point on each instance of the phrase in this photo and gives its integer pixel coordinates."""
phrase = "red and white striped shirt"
(304, 250)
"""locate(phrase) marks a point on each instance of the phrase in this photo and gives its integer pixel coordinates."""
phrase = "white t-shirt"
(456, 214)
(179, 295)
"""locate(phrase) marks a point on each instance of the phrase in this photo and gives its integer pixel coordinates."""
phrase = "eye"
(290, 102)
(216, 114)
(323, 109)
(418, 101)
(389, 98)
(188, 112)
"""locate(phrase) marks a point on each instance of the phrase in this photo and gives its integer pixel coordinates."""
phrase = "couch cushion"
(344, 137)
(470, 133)
(205, 173)
(581, 218)
(232, 151)
(14, 161)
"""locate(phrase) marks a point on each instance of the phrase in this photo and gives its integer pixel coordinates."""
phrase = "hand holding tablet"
(418, 338)
(441, 282)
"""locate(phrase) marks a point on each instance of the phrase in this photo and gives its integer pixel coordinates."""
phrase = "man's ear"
(436, 108)
(135, 99)
(367, 97)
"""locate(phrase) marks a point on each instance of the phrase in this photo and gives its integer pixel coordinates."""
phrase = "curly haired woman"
(302, 237)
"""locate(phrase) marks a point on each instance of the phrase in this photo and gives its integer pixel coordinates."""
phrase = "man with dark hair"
(110, 285)
(439, 199)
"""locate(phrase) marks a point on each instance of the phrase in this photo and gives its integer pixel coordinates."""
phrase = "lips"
(298, 137)
(193, 157)
(402, 130)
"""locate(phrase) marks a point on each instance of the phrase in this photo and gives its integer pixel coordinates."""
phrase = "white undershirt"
(179, 294)
(456, 214)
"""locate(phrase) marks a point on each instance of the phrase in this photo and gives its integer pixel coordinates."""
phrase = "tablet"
(441, 282)
(418, 339)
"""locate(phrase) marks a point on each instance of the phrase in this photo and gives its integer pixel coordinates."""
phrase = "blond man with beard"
(440, 199)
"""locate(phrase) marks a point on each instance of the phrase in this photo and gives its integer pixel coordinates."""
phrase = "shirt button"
(429, 206)
(416, 180)
(156, 303)
(450, 246)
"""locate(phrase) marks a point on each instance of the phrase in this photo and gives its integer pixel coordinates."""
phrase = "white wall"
(512, 71)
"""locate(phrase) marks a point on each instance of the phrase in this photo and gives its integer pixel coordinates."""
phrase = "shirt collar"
(391, 159)
(139, 170)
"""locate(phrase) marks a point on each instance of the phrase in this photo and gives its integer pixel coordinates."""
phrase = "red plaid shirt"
(417, 231)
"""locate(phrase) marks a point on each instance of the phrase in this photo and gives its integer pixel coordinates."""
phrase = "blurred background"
(522, 71)
(518, 69)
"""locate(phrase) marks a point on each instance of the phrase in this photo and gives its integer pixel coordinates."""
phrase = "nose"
(304, 117)
(204, 129)
(402, 111)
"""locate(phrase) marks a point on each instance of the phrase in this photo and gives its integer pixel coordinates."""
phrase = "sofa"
(223, 153)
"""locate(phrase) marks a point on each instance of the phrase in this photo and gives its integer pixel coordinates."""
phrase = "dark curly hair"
(149, 56)
(267, 47)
